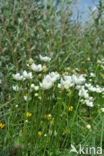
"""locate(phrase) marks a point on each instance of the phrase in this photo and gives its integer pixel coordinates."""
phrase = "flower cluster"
(83, 93)
(17, 77)
(16, 88)
(77, 81)
(45, 59)
(33, 87)
(71, 81)
(70, 108)
(28, 114)
(27, 75)
(49, 80)
(24, 76)
(36, 68)
(101, 63)
(96, 89)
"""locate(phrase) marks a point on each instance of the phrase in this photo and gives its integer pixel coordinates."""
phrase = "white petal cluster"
(78, 80)
(36, 68)
(101, 62)
(102, 109)
(92, 75)
(66, 82)
(83, 93)
(45, 59)
(54, 76)
(89, 103)
(16, 88)
(96, 89)
(49, 80)
(70, 81)
(88, 126)
(17, 77)
(36, 88)
(27, 75)
(24, 76)
(26, 98)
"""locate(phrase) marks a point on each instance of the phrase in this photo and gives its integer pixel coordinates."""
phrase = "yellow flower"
(70, 108)
(39, 133)
(28, 114)
(2, 125)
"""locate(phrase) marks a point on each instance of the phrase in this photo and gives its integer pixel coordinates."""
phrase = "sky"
(84, 7)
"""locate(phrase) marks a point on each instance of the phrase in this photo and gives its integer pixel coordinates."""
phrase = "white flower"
(54, 76)
(93, 89)
(25, 98)
(91, 98)
(102, 109)
(55, 133)
(27, 75)
(70, 81)
(87, 85)
(36, 68)
(16, 106)
(59, 85)
(17, 77)
(92, 75)
(79, 80)
(45, 59)
(16, 88)
(34, 87)
(96, 89)
(49, 80)
(74, 79)
(83, 93)
(66, 82)
(78, 87)
(46, 84)
(45, 135)
(36, 94)
(89, 103)
(88, 126)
